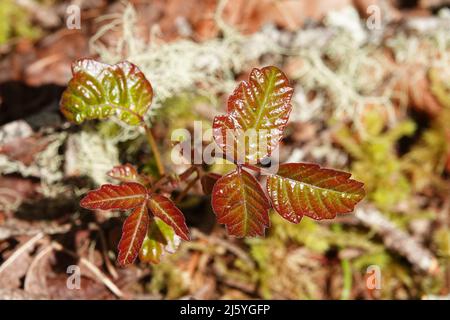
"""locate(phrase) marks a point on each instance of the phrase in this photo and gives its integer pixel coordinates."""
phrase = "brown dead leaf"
(181, 18)
(25, 149)
(46, 62)
(303, 131)
(17, 261)
(412, 87)
(14, 190)
(18, 294)
(47, 276)
(54, 56)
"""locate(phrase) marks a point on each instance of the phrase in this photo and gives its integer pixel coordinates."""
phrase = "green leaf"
(306, 189)
(160, 239)
(98, 91)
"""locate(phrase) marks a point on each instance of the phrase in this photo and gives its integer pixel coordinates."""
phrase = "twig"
(187, 188)
(227, 245)
(153, 146)
(24, 248)
(96, 271)
(398, 240)
(10, 230)
(28, 283)
(112, 271)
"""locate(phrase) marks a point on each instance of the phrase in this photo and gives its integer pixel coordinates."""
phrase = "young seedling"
(260, 105)
(155, 224)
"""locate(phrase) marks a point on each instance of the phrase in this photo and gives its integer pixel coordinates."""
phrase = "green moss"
(307, 233)
(440, 87)
(178, 111)
(376, 161)
(425, 163)
(167, 278)
(441, 239)
(15, 22)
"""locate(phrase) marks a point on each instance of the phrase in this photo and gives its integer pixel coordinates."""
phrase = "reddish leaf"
(126, 196)
(258, 108)
(160, 239)
(134, 231)
(125, 173)
(166, 210)
(208, 180)
(98, 91)
(305, 189)
(240, 203)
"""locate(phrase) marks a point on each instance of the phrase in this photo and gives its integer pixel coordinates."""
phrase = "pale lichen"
(88, 153)
(46, 165)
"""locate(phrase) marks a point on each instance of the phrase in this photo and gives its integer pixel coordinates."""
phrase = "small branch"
(166, 178)
(161, 182)
(109, 266)
(24, 248)
(103, 278)
(238, 252)
(186, 189)
(253, 167)
(187, 173)
(398, 240)
(153, 146)
(12, 230)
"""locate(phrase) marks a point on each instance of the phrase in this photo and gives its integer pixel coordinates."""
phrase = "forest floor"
(372, 97)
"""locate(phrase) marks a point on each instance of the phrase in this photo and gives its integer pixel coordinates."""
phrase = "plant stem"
(246, 165)
(185, 191)
(187, 188)
(152, 143)
(252, 167)
(347, 275)
(188, 172)
(163, 180)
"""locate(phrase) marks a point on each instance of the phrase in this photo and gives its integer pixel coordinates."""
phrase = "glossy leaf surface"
(126, 196)
(125, 173)
(166, 210)
(258, 108)
(134, 231)
(240, 203)
(160, 239)
(98, 91)
(306, 189)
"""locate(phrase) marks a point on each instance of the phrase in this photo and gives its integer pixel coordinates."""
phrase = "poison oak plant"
(260, 105)
(155, 224)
